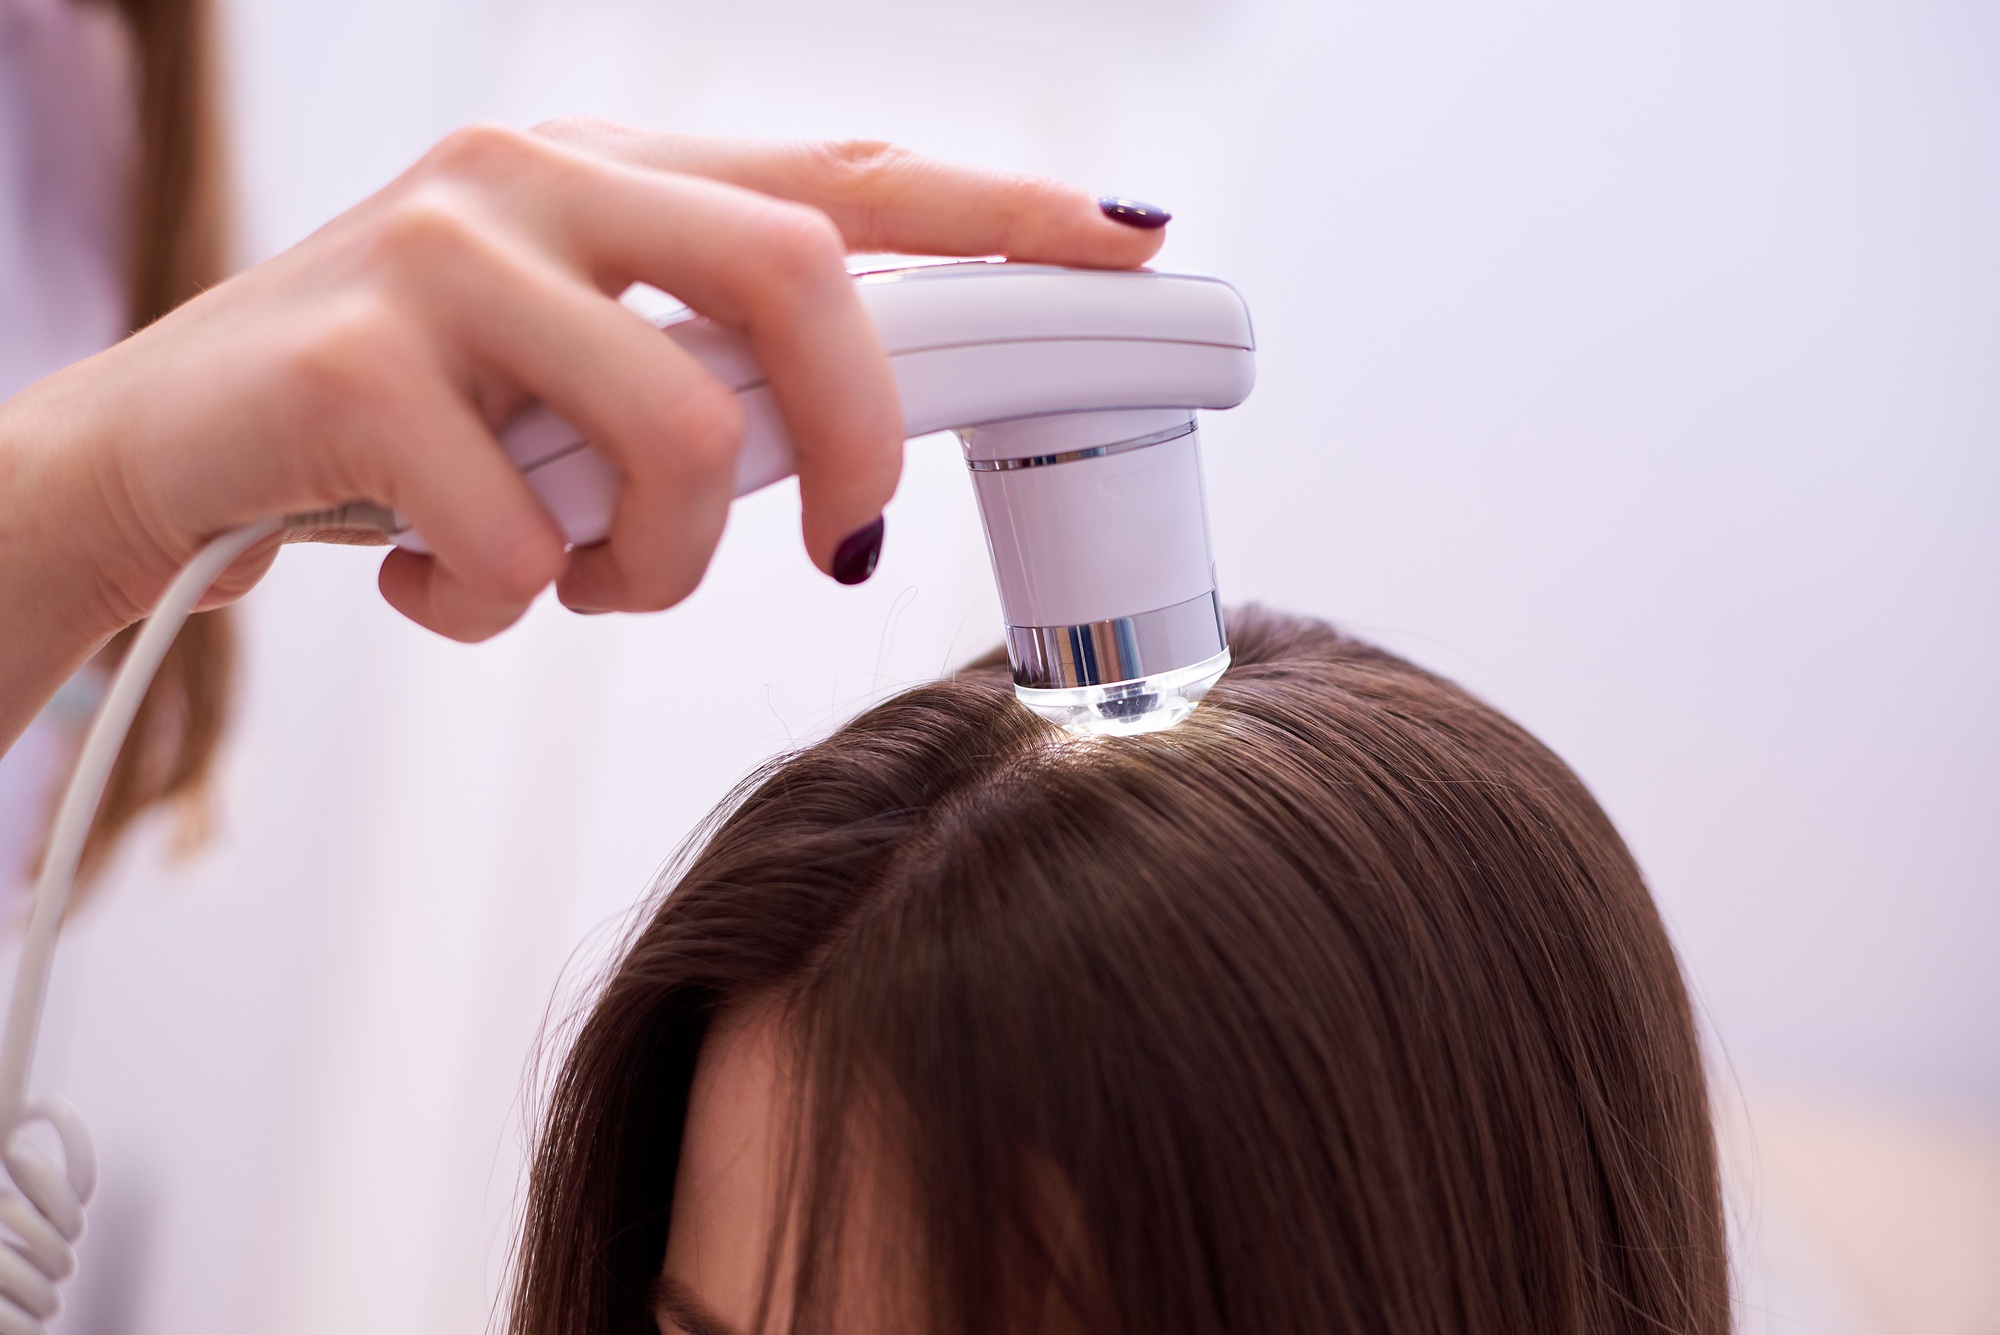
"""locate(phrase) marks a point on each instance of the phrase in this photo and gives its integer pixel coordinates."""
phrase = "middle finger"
(776, 270)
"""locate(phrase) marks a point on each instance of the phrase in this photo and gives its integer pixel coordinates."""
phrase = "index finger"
(886, 198)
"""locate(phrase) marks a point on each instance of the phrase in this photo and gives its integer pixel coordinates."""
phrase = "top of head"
(970, 343)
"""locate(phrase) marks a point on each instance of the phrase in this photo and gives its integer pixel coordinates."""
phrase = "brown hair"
(178, 245)
(1339, 1007)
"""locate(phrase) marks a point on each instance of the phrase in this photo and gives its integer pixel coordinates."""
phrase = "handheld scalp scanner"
(1074, 395)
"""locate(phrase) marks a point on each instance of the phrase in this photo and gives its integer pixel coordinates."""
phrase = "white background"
(1638, 366)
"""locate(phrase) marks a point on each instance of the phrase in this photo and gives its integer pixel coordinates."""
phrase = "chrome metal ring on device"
(1076, 456)
(1101, 652)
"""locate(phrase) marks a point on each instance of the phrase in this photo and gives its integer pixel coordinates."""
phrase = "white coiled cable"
(45, 1208)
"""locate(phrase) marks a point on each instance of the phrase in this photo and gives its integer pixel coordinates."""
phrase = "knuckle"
(798, 247)
(482, 624)
(480, 151)
(424, 228)
(573, 129)
(525, 569)
(516, 565)
(862, 166)
(708, 424)
(863, 174)
(668, 583)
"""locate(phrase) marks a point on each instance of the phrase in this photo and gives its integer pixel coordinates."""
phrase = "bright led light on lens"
(1127, 708)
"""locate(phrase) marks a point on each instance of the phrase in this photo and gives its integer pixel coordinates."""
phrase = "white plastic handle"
(969, 344)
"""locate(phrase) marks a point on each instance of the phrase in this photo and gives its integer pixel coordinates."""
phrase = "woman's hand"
(376, 359)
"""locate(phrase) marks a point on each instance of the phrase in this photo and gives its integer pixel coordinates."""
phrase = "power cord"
(45, 1211)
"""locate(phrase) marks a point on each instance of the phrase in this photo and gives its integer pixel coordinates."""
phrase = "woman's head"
(1341, 1006)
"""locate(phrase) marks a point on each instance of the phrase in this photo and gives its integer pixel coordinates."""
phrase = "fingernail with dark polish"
(854, 560)
(1134, 212)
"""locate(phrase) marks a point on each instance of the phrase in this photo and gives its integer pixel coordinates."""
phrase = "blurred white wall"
(1638, 367)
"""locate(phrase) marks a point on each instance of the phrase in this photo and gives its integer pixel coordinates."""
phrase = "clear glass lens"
(1126, 708)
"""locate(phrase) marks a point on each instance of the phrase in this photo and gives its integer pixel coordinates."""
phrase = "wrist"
(58, 604)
